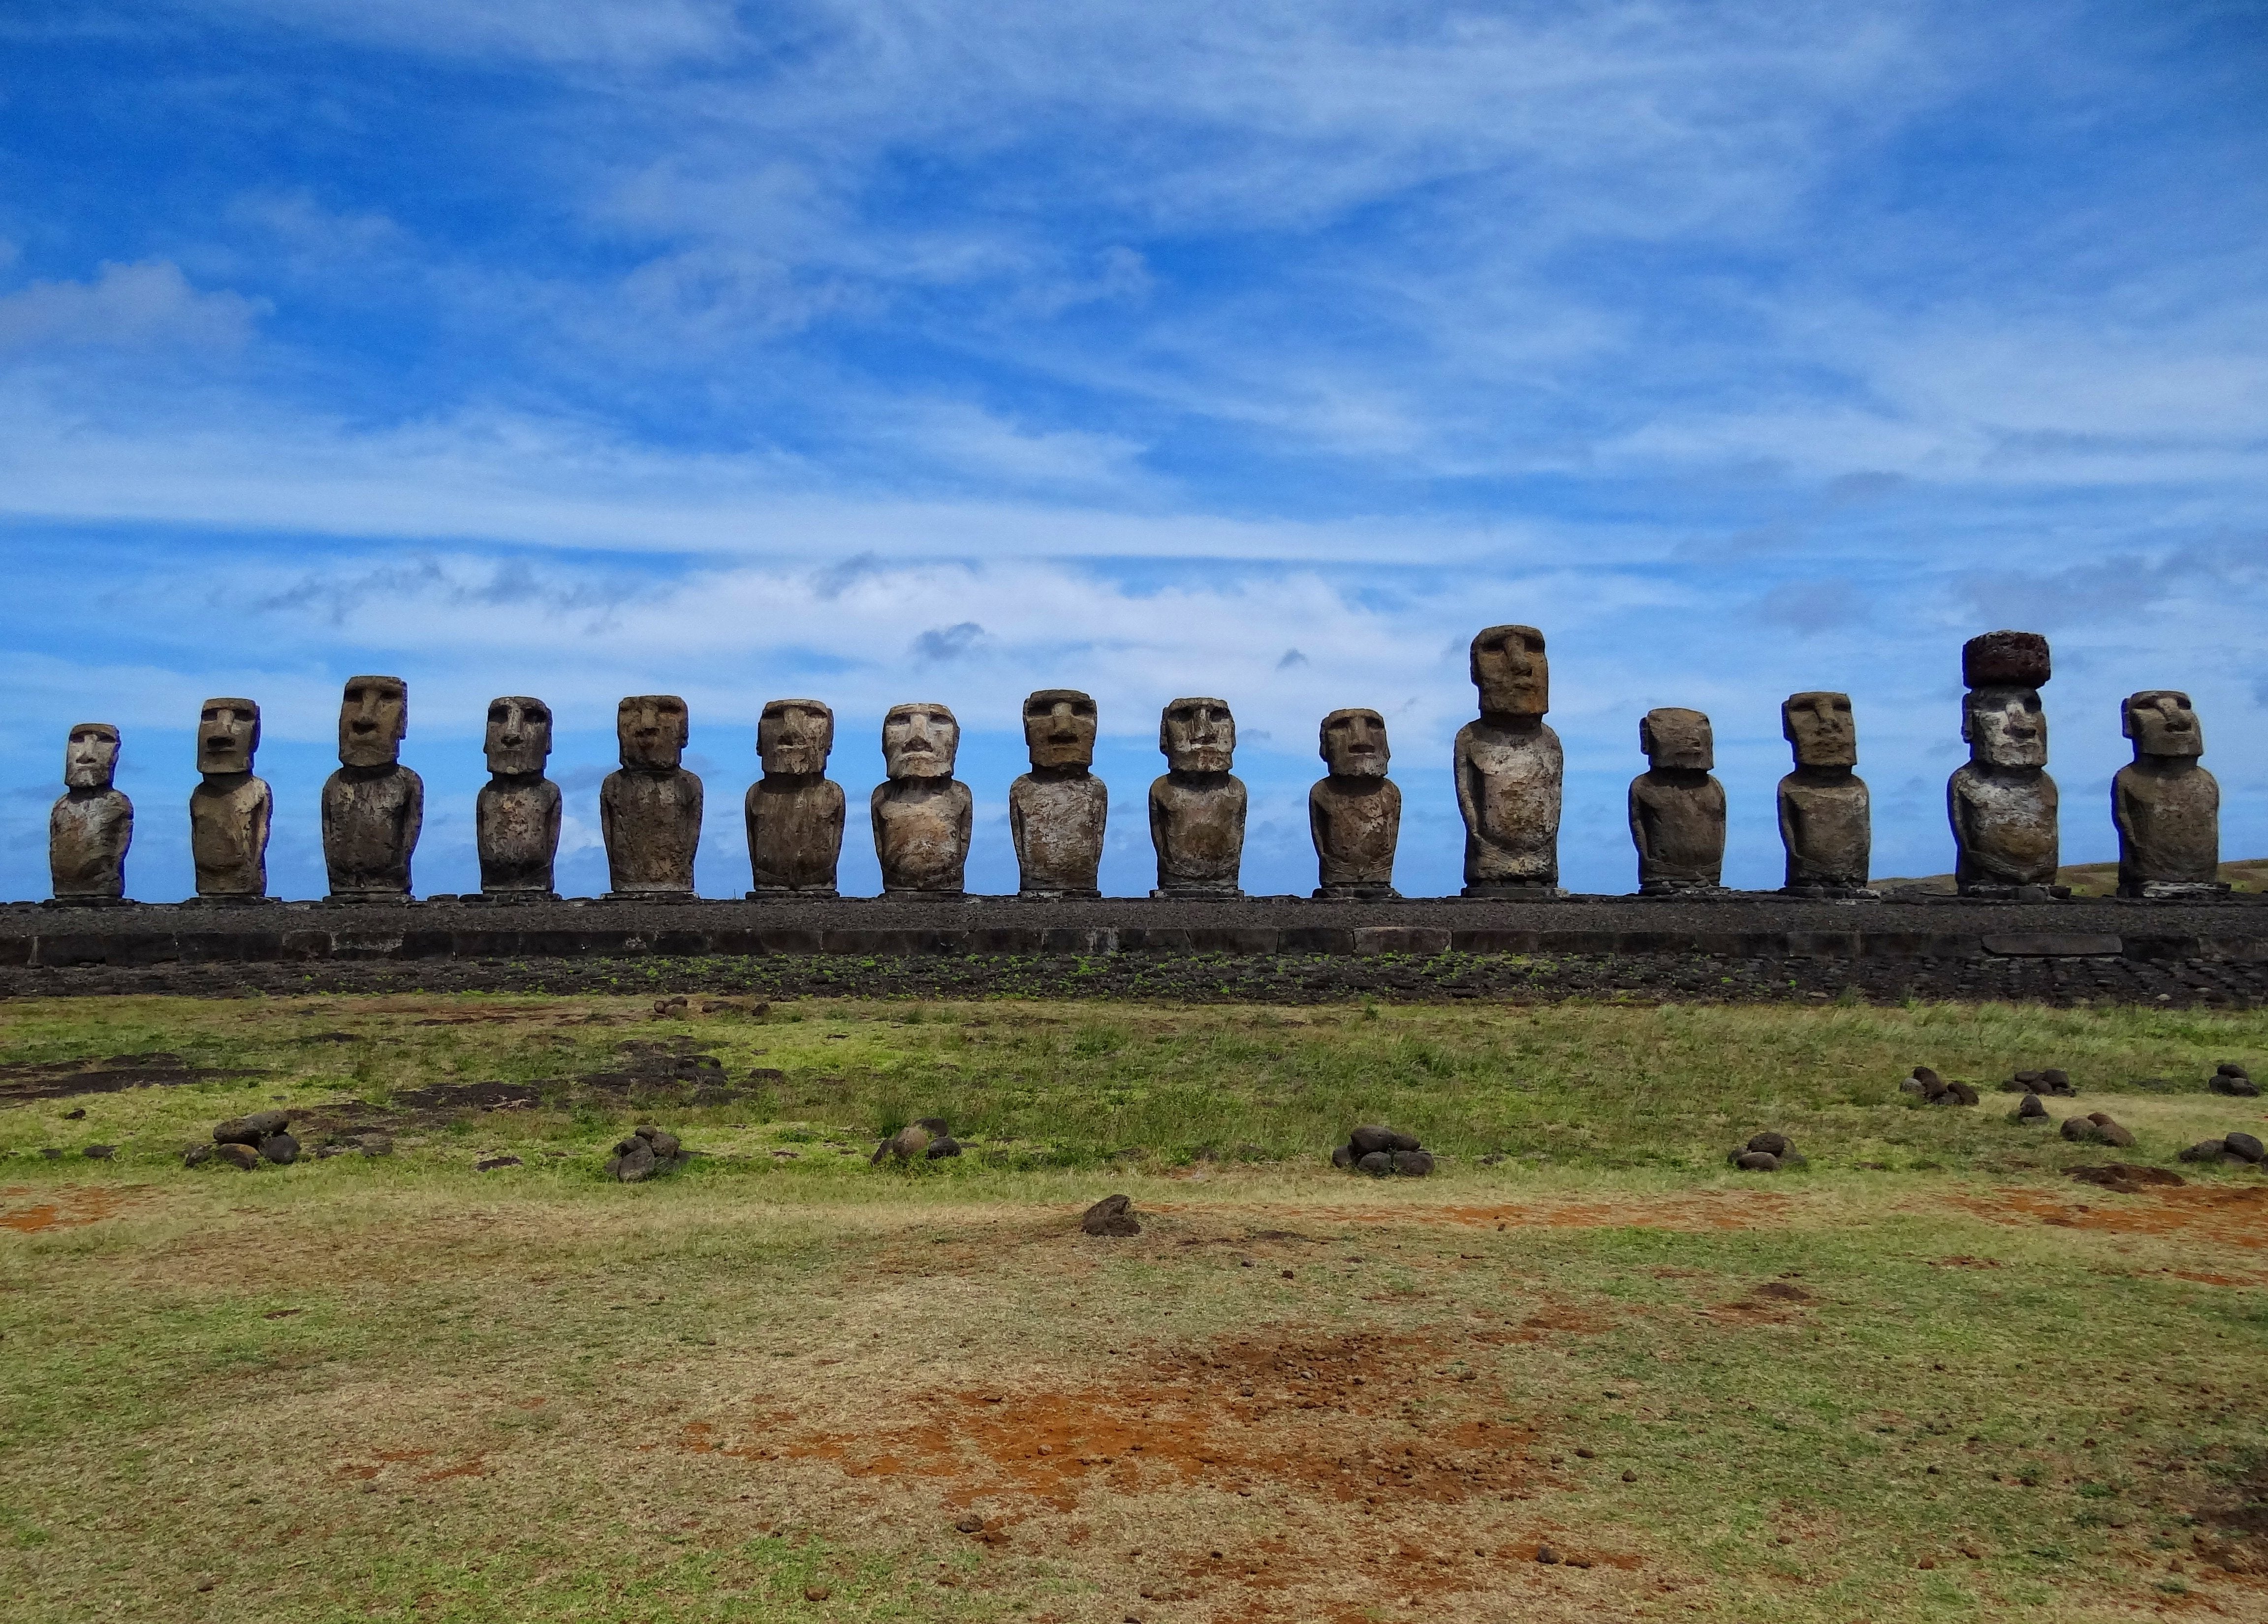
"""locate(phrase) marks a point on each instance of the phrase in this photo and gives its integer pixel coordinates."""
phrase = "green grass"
(1949, 1384)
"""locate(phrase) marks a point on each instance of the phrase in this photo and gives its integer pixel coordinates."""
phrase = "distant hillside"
(2100, 879)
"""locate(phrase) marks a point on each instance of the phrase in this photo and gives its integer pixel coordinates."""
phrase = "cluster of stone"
(1508, 767)
(2097, 1127)
(643, 1152)
(925, 1139)
(2055, 1081)
(2228, 1150)
(1932, 1089)
(1382, 1152)
(2231, 1079)
(1767, 1152)
(245, 1142)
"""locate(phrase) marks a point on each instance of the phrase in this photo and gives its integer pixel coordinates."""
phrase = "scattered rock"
(2214, 1152)
(1413, 1163)
(907, 1145)
(1771, 1144)
(1342, 1156)
(2231, 1078)
(970, 1523)
(75, 1116)
(281, 1148)
(816, 1592)
(1381, 1150)
(1924, 1079)
(2057, 1081)
(1378, 1163)
(196, 1154)
(1110, 1217)
(250, 1130)
(2126, 1176)
(1363, 1140)
(491, 1163)
(100, 1152)
(2097, 1127)
(2032, 1110)
(935, 1124)
(647, 1152)
(2246, 1146)
(237, 1155)
(945, 1144)
(1545, 1554)
(1756, 1161)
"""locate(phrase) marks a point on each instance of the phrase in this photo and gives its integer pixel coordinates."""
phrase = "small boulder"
(1771, 1144)
(935, 1124)
(281, 1148)
(2234, 1080)
(250, 1130)
(908, 1144)
(1363, 1140)
(667, 1146)
(1962, 1093)
(1925, 1077)
(2211, 1150)
(490, 1164)
(239, 1156)
(1110, 1217)
(2078, 1129)
(1756, 1161)
(2032, 1110)
(100, 1152)
(2246, 1146)
(2109, 1132)
(1342, 1156)
(633, 1160)
(942, 1146)
(2057, 1081)
(1377, 1163)
(197, 1155)
(1413, 1163)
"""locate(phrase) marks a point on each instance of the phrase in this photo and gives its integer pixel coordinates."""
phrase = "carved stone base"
(355, 898)
(1515, 890)
(1356, 893)
(1830, 894)
(910, 891)
(111, 901)
(2015, 894)
(2176, 890)
(789, 893)
(230, 901)
(1679, 888)
(649, 896)
(503, 898)
(1057, 896)
(1189, 891)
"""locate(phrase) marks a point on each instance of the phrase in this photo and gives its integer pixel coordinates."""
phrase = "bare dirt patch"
(64, 1208)
(26, 1081)
(2237, 1217)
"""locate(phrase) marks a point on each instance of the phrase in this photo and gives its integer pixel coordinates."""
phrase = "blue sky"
(941, 351)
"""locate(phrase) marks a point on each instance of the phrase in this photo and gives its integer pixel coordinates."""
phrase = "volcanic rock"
(250, 1130)
(1110, 1217)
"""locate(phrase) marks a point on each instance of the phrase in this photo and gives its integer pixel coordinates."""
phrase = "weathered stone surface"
(794, 812)
(1509, 769)
(1112, 1215)
(2001, 804)
(1354, 814)
(2032, 1109)
(243, 1157)
(1413, 1163)
(1197, 809)
(2246, 1146)
(908, 1144)
(516, 815)
(2165, 805)
(1057, 811)
(650, 808)
(374, 807)
(1377, 1163)
(921, 813)
(91, 826)
(1756, 1161)
(280, 1148)
(253, 1129)
(1677, 807)
(1825, 812)
(229, 811)
(1770, 1144)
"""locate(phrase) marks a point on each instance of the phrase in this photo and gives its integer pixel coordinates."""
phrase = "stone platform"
(2125, 950)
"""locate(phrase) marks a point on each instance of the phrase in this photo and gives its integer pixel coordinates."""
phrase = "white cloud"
(125, 307)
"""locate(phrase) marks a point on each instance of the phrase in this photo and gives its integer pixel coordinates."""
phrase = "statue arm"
(1461, 767)
(1638, 822)
(413, 814)
(1790, 836)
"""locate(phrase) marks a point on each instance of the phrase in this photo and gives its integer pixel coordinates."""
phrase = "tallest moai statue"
(1510, 769)
(2002, 803)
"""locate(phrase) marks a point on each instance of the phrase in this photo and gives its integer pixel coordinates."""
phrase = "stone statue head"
(520, 734)
(795, 736)
(1198, 736)
(1353, 744)
(2160, 722)
(373, 715)
(1509, 669)
(1059, 728)
(2006, 660)
(228, 733)
(91, 756)
(1673, 737)
(919, 741)
(1821, 727)
(650, 731)
(2004, 727)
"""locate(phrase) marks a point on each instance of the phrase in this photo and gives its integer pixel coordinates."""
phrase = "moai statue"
(373, 806)
(921, 811)
(1197, 810)
(516, 817)
(1676, 808)
(2002, 804)
(1826, 817)
(229, 813)
(794, 810)
(1057, 810)
(90, 829)
(649, 810)
(2167, 806)
(1355, 814)
(1509, 769)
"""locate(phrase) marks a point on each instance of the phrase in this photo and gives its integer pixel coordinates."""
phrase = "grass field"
(1930, 1377)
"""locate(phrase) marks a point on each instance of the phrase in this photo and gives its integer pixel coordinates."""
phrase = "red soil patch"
(71, 1206)
(2228, 1217)
(1745, 1209)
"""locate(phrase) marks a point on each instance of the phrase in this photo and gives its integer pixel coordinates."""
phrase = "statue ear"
(2126, 720)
